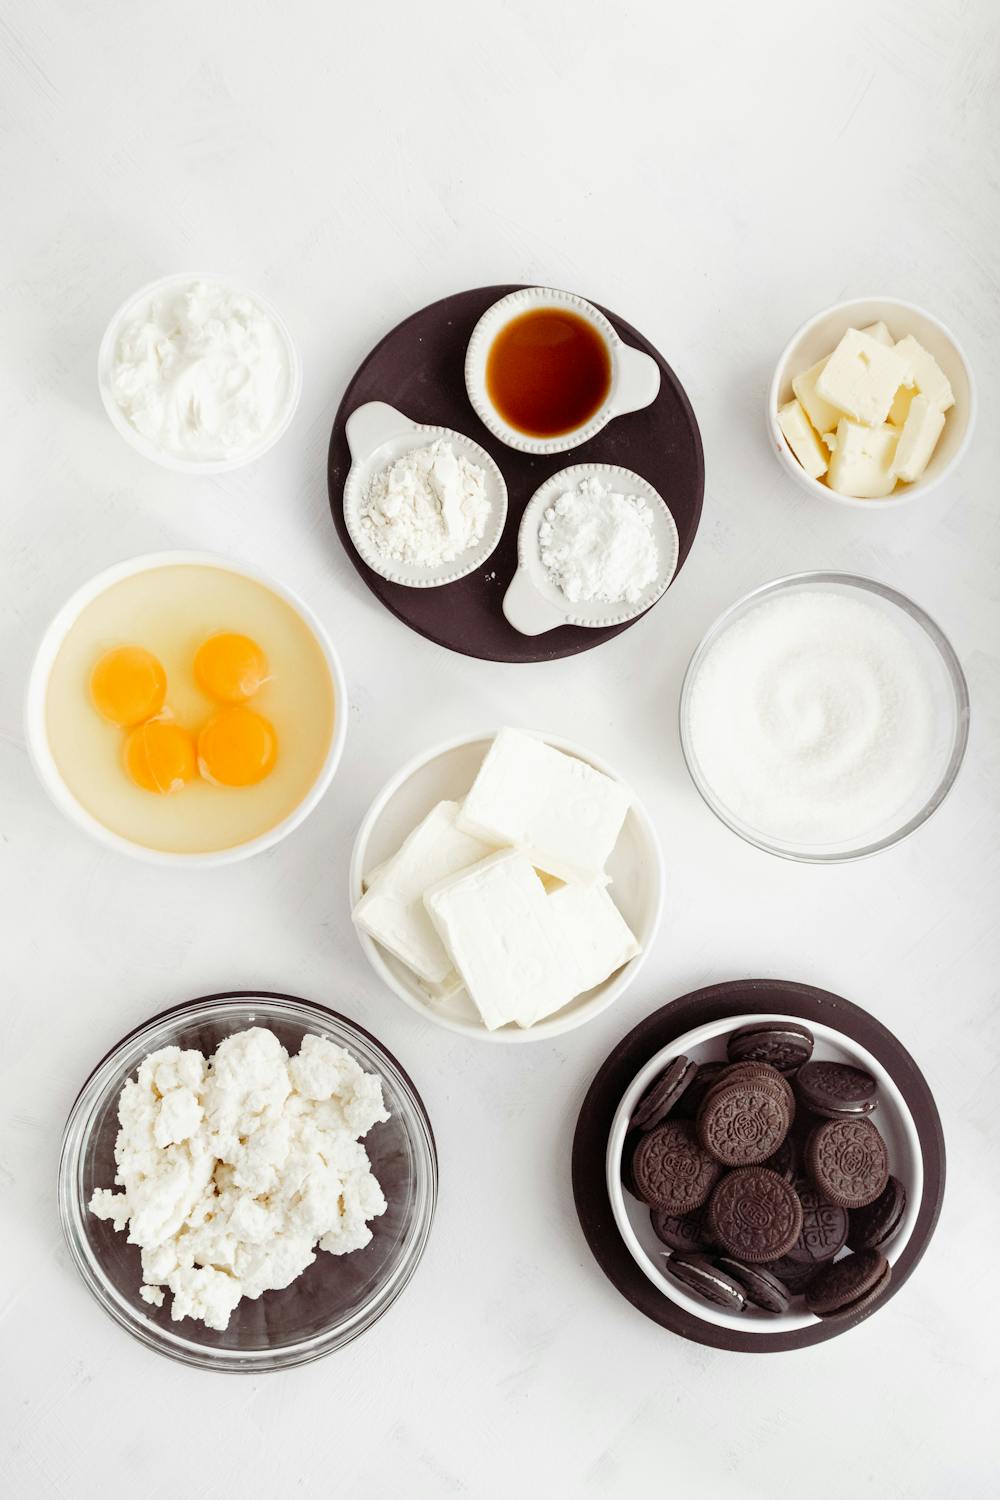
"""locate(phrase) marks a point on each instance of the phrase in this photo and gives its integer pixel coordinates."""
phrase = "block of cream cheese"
(918, 439)
(495, 923)
(925, 373)
(562, 813)
(597, 938)
(861, 462)
(801, 438)
(862, 376)
(392, 909)
(821, 414)
(880, 333)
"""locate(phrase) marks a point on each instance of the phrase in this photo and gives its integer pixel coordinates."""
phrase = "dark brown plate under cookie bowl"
(796, 1192)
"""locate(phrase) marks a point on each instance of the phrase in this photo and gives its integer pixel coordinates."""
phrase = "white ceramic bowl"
(38, 680)
(448, 771)
(534, 602)
(893, 1118)
(121, 423)
(377, 435)
(635, 375)
(821, 335)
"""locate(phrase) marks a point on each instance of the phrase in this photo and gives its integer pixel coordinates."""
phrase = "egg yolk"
(230, 667)
(160, 757)
(128, 685)
(237, 747)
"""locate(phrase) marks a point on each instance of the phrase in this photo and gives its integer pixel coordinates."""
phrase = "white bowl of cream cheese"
(198, 374)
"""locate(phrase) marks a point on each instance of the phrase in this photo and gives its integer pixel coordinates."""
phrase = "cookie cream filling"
(235, 1168)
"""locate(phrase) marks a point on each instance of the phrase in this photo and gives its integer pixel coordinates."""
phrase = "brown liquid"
(548, 372)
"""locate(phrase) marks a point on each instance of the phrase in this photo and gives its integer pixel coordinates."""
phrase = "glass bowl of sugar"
(824, 717)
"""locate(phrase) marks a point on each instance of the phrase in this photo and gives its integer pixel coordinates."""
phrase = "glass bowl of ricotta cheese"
(824, 717)
(357, 1161)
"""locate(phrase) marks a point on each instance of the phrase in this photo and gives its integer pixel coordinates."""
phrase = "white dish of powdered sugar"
(824, 717)
(597, 546)
(423, 505)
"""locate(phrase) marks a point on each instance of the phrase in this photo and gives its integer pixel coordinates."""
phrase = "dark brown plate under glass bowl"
(419, 368)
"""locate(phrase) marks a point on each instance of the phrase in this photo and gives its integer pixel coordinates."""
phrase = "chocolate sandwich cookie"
(744, 1122)
(760, 1284)
(824, 1227)
(752, 1072)
(785, 1161)
(629, 1144)
(699, 1274)
(874, 1226)
(706, 1077)
(849, 1285)
(755, 1215)
(662, 1094)
(671, 1170)
(783, 1044)
(848, 1162)
(685, 1232)
(795, 1275)
(836, 1090)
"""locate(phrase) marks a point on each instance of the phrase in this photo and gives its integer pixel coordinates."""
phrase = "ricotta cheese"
(234, 1168)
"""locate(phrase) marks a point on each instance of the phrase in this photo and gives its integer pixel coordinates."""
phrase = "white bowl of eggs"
(185, 709)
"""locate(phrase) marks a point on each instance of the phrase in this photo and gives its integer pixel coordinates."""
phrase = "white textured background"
(715, 173)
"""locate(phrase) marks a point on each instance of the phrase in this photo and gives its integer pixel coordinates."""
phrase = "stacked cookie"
(760, 1171)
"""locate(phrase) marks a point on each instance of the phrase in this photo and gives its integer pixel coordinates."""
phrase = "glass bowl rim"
(164, 1341)
(949, 659)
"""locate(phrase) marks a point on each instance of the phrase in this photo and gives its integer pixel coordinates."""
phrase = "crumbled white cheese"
(427, 507)
(234, 1168)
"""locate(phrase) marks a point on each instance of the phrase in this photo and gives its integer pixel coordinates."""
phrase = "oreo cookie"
(849, 1285)
(744, 1122)
(848, 1162)
(699, 1274)
(874, 1226)
(708, 1074)
(795, 1275)
(671, 1170)
(824, 1227)
(785, 1161)
(760, 1284)
(662, 1094)
(755, 1215)
(685, 1232)
(836, 1090)
(783, 1044)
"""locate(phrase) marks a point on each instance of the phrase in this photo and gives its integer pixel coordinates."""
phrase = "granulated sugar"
(812, 718)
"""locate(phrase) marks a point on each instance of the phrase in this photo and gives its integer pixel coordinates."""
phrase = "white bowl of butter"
(828, 453)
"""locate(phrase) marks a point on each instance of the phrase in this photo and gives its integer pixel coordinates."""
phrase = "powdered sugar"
(427, 507)
(596, 543)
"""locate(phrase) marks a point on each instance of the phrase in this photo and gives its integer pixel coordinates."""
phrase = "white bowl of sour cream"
(824, 717)
(197, 374)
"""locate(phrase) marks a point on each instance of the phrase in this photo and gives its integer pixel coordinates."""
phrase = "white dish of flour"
(424, 505)
(597, 546)
(820, 718)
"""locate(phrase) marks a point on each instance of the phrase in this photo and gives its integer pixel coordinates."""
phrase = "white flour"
(598, 544)
(812, 718)
(428, 507)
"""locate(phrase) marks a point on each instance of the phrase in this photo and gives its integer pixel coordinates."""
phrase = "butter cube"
(923, 371)
(861, 463)
(900, 408)
(801, 438)
(880, 333)
(918, 439)
(821, 414)
(862, 376)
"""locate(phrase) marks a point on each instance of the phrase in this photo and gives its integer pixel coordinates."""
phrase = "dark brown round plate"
(420, 368)
(741, 997)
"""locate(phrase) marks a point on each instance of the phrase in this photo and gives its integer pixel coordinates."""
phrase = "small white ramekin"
(821, 335)
(118, 419)
(44, 762)
(635, 375)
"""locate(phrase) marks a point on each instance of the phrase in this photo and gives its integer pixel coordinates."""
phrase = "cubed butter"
(561, 812)
(392, 909)
(880, 333)
(918, 439)
(821, 414)
(923, 371)
(900, 408)
(861, 462)
(802, 439)
(862, 376)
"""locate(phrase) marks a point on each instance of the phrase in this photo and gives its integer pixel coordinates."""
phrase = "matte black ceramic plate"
(741, 997)
(420, 368)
